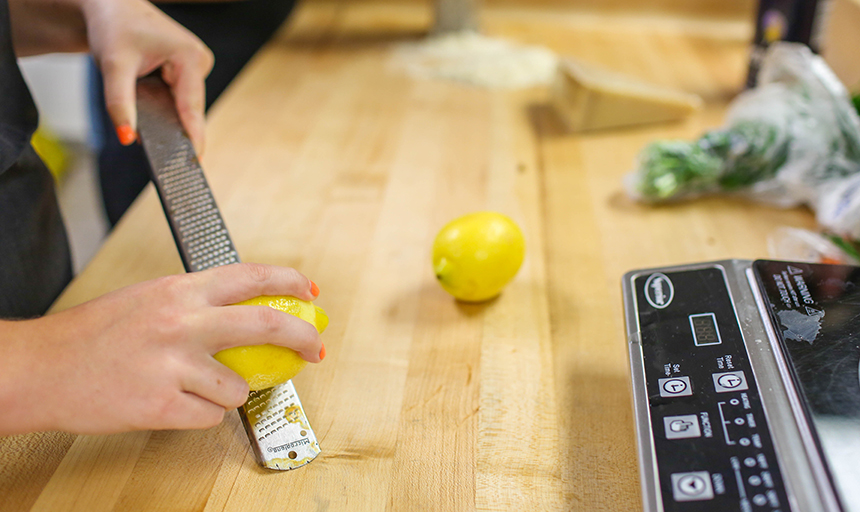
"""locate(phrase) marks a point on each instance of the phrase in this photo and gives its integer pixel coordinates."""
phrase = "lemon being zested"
(264, 366)
(476, 255)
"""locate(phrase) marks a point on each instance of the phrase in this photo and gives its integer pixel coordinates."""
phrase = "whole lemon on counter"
(476, 255)
(264, 366)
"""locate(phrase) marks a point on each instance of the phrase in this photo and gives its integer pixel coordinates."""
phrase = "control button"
(682, 427)
(692, 486)
(676, 386)
(730, 381)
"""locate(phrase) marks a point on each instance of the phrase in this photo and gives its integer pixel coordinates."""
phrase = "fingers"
(186, 76)
(132, 39)
(120, 80)
(188, 411)
(234, 283)
(235, 326)
(216, 383)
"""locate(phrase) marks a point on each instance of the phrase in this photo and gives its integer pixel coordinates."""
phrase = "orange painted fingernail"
(315, 290)
(322, 352)
(126, 134)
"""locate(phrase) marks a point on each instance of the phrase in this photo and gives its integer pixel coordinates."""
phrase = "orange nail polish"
(126, 134)
(322, 352)
(315, 290)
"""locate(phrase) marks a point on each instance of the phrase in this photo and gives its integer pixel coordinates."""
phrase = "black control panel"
(711, 440)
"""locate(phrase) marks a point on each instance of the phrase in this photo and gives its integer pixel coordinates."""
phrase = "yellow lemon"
(264, 366)
(476, 255)
(51, 151)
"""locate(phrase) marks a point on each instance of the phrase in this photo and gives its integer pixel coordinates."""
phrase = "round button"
(754, 480)
(749, 462)
(759, 500)
(674, 386)
(692, 485)
(729, 381)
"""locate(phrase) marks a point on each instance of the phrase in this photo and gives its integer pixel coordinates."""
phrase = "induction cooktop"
(746, 385)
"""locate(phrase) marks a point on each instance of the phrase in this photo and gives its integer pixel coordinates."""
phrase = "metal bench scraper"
(274, 419)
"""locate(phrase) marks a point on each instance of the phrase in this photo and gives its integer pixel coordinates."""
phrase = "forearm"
(22, 402)
(47, 26)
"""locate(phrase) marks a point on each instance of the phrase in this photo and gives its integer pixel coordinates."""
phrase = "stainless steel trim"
(652, 499)
(797, 450)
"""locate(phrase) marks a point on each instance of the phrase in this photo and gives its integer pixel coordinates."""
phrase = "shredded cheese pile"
(478, 60)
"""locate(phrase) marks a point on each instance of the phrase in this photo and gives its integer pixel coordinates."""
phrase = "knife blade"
(277, 426)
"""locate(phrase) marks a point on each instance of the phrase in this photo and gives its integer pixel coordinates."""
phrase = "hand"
(130, 39)
(141, 357)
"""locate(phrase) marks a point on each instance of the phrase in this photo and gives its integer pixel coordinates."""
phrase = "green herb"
(848, 246)
(731, 159)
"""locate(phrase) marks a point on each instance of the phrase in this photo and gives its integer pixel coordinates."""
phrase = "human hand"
(141, 357)
(130, 39)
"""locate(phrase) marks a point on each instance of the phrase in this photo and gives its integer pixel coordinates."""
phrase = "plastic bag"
(794, 244)
(792, 140)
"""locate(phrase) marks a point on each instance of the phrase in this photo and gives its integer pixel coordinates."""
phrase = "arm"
(128, 39)
(141, 357)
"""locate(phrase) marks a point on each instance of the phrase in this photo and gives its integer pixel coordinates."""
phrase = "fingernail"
(322, 352)
(126, 134)
(315, 290)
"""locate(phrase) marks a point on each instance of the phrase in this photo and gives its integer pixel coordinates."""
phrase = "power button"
(692, 486)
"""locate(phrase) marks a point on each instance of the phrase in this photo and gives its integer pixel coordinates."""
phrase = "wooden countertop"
(324, 158)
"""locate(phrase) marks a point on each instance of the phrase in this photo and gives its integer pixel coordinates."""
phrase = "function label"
(711, 440)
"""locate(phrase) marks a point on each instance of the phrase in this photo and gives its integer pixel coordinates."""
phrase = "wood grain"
(325, 158)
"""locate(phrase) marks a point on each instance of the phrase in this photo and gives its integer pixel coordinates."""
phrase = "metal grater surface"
(274, 420)
(196, 222)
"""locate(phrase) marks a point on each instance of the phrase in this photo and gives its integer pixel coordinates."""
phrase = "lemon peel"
(264, 366)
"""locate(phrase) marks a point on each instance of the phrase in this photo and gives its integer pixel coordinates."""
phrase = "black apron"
(35, 263)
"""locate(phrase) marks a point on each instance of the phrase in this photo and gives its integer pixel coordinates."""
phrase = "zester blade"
(274, 420)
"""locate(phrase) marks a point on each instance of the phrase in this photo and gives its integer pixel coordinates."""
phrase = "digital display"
(705, 331)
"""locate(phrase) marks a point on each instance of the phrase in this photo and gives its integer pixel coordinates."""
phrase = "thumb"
(120, 81)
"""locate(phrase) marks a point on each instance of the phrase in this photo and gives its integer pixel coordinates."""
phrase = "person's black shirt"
(35, 264)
